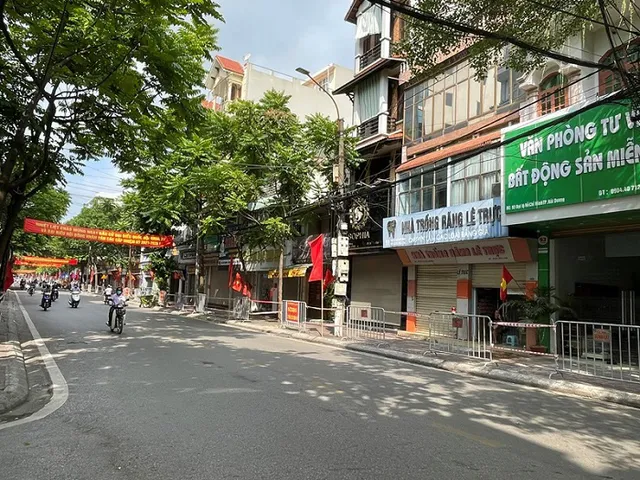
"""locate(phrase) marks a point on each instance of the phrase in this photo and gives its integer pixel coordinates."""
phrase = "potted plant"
(536, 307)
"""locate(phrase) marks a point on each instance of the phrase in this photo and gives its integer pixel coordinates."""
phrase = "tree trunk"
(7, 231)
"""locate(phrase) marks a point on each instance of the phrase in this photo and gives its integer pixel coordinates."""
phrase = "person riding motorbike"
(107, 293)
(55, 291)
(116, 299)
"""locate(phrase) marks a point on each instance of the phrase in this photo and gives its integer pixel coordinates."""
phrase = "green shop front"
(571, 180)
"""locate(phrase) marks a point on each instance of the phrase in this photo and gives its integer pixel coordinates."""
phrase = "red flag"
(246, 289)
(230, 272)
(506, 278)
(8, 275)
(328, 278)
(317, 258)
(237, 283)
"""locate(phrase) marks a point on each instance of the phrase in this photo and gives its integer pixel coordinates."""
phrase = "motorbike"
(31, 290)
(74, 301)
(120, 313)
(22, 284)
(55, 294)
(107, 296)
(46, 301)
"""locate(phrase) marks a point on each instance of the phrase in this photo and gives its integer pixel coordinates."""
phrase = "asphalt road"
(179, 398)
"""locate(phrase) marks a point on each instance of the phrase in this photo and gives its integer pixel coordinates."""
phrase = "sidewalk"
(14, 387)
(530, 371)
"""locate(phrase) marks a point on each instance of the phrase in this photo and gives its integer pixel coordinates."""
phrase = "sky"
(279, 34)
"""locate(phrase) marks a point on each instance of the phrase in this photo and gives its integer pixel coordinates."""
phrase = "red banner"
(45, 261)
(316, 258)
(97, 234)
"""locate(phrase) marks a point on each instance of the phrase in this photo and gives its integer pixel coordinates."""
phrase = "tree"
(102, 213)
(80, 80)
(51, 205)
(250, 172)
(533, 31)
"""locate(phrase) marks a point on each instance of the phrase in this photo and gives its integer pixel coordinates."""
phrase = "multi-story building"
(484, 185)
(376, 275)
(228, 80)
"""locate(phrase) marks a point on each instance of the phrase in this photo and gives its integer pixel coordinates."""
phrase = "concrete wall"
(304, 100)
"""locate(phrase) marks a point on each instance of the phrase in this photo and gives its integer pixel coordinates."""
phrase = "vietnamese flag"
(317, 258)
(506, 278)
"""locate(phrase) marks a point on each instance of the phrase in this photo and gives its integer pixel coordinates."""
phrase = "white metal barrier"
(522, 337)
(456, 333)
(294, 314)
(363, 322)
(606, 350)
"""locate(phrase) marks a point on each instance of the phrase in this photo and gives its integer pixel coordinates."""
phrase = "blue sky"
(279, 34)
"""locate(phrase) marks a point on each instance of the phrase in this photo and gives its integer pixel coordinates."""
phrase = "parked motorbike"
(31, 290)
(120, 313)
(74, 301)
(46, 301)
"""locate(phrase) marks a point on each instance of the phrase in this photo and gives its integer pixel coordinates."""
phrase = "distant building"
(228, 80)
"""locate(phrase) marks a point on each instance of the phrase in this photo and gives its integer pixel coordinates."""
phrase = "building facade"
(376, 274)
(482, 184)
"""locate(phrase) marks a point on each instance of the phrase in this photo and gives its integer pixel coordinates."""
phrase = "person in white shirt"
(116, 299)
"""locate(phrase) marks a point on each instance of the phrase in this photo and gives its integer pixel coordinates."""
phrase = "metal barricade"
(363, 322)
(522, 337)
(606, 350)
(456, 333)
(294, 314)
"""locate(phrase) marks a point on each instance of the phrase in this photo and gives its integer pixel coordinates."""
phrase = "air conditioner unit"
(495, 190)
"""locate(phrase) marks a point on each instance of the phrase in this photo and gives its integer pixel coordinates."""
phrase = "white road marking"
(60, 388)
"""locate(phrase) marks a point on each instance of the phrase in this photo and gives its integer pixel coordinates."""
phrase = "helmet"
(119, 290)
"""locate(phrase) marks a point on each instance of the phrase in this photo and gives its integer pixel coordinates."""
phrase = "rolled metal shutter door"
(489, 275)
(436, 288)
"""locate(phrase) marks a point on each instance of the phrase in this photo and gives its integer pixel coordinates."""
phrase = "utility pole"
(340, 244)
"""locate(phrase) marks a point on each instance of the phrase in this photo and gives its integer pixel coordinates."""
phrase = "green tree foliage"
(103, 213)
(162, 268)
(51, 205)
(543, 25)
(80, 80)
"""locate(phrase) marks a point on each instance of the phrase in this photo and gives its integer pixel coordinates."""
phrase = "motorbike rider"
(107, 293)
(117, 298)
(45, 289)
(54, 290)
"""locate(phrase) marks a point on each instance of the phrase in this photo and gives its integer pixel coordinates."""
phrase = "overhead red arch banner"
(97, 234)
(45, 261)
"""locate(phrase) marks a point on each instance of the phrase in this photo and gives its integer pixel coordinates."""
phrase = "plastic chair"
(512, 340)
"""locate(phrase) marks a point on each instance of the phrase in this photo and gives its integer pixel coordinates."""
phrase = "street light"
(342, 247)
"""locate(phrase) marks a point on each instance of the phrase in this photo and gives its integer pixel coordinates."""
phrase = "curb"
(16, 387)
(484, 370)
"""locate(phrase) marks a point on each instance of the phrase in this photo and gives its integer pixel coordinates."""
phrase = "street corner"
(14, 386)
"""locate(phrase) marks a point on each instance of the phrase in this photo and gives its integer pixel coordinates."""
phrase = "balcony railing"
(370, 56)
(369, 128)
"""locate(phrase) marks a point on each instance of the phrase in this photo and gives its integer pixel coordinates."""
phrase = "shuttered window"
(490, 275)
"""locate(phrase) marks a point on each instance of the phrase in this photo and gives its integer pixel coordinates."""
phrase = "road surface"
(179, 398)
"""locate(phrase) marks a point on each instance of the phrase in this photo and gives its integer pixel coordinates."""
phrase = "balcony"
(368, 128)
(370, 56)
(382, 124)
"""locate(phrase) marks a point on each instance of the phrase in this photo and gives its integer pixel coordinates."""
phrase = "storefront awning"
(293, 272)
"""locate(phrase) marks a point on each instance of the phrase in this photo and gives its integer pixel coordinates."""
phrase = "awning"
(450, 151)
(293, 272)
(376, 66)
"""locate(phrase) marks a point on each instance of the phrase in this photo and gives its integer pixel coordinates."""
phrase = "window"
(368, 98)
(629, 57)
(455, 96)
(325, 83)
(414, 112)
(553, 94)
(236, 91)
(424, 189)
(474, 178)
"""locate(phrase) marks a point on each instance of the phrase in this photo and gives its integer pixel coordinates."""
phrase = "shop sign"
(592, 156)
(602, 335)
(294, 272)
(495, 251)
(471, 221)
(293, 312)
(365, 219)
